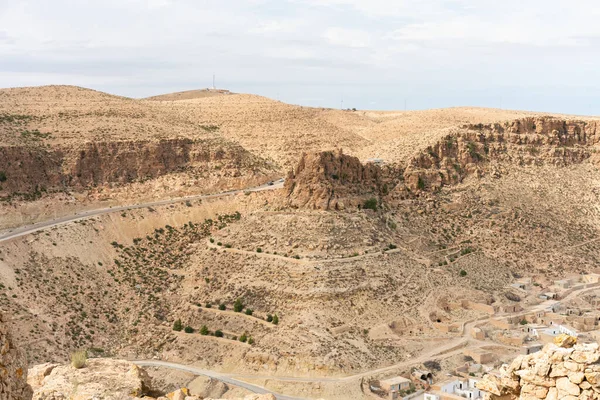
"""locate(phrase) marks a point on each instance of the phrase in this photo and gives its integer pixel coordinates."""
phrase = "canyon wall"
(528, 141)
(26, 169)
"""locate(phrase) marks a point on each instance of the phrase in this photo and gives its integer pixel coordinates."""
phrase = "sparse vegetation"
(79, 359)
(238, 306)
(177, 325)
(370, 204)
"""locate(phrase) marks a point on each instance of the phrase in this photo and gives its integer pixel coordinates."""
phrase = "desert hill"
(358, 261)
(189, 94)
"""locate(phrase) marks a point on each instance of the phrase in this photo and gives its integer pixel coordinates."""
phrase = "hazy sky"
(378, 54)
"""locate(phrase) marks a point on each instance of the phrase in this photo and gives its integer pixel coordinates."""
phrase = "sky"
(540, 55)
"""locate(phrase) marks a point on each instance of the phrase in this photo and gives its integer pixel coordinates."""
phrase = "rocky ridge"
(333, 181)
(477, 149)
(562, 370)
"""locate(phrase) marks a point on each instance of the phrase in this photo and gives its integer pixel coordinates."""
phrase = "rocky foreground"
(563, 370)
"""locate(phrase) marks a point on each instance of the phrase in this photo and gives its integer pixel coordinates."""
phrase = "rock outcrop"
(28, 169)
(101, 378)
(471, 149)
(333, 181)
(562, 370)
(13, 367)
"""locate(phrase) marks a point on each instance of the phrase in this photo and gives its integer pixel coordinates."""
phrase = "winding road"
(215, 375)
(27, 229)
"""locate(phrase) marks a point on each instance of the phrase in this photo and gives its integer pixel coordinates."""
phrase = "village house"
(454, 389)
(395, 385)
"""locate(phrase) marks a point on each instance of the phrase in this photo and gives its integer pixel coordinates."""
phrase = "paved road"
(214, 375)
(26, 230)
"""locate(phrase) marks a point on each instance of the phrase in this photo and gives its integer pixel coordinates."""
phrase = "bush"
(212, 240)
(523, 322)
(208, 305)
(463, 272)
(420, 184)
(238, 306)
(433, 365)
(219, 333)
(204, 330)
(178, 326)
(243, 338)
(2, 176)
(370, 204)
(258, 250)
(189, 329)
(250, 340)
(269, 318)
(275, 319)
(222, 307)
(78, 359)
(392, 246)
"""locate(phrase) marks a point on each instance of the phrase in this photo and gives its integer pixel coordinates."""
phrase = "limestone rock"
(566, 387)
(101, 378)
(553, 373)
(333, 181)
(565, 340)
(13, 367)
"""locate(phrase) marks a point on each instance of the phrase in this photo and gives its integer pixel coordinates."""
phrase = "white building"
(455, 387)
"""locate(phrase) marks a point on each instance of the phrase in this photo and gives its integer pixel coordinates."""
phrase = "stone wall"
(562, 370)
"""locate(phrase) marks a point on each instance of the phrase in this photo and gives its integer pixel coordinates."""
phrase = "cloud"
(347, 37)
(439, 48)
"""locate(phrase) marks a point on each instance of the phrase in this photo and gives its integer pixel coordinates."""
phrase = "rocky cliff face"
(13, 367)
(333, 181)
(560, 371)
(27, 169)
(528, 141)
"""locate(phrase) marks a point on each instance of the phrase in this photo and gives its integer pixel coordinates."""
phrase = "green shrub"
(370, 204)
(204, 330)
(222, 307)
(78, 359)
(523, 322)
(421, 184)
(249, 311)
(463, 272)
(189, 329)
(208, 305)
(219, 244)
(212, 240)
(258, 250)
(250, 340)
(275, 319)
(243, 338)
(178, 326)
(2, 176)
(269, 318)
(219, 333)
(238, 306)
